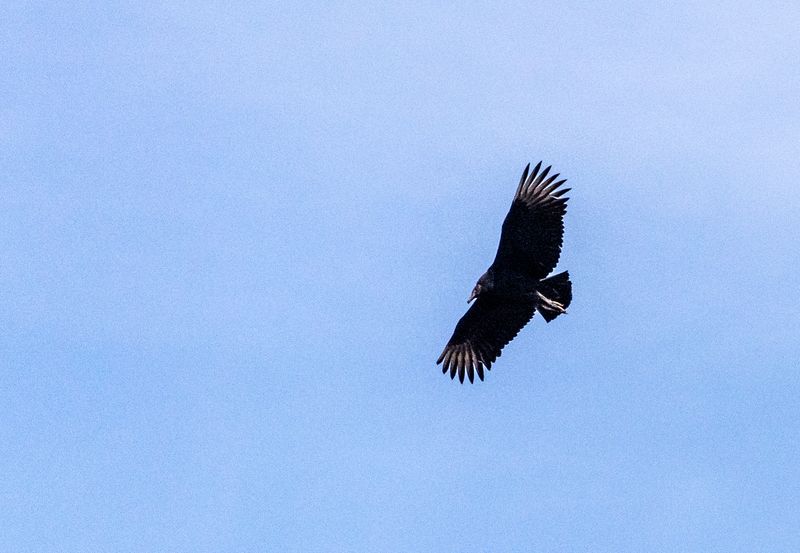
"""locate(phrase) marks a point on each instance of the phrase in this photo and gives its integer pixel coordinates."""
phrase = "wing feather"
(533, 230)
(481, 334)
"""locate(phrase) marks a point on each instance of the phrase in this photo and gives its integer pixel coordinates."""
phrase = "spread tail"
(555, 295)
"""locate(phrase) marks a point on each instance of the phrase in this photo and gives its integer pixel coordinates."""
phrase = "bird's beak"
(472, 296)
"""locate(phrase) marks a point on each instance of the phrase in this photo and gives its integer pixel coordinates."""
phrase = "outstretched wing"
(533, 230)
(481, 334)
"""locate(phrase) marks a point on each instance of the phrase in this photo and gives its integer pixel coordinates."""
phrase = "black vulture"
(516, 285)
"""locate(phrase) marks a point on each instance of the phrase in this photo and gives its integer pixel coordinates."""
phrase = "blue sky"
(236, 236)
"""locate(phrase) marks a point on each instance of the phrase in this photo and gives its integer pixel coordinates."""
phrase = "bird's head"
(483, 285)
(475, 292)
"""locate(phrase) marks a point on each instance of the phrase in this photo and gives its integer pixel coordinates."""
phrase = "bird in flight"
(516, 285)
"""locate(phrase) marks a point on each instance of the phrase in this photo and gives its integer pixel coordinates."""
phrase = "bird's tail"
(557, 292)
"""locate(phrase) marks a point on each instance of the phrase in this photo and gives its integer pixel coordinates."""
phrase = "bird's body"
(516, 285)
(507, 283)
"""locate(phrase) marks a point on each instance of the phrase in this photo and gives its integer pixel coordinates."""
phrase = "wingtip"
(522, 180)
(561, 191)
(533, 176)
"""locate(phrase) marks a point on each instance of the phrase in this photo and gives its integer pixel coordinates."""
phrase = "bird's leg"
(552, 304)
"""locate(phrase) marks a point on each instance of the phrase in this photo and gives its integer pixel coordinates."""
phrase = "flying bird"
(516, 285)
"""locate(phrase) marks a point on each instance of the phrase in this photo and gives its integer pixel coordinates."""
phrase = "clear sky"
(236, 236)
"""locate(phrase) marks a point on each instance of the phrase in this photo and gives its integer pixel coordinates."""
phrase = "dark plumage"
(515, 285)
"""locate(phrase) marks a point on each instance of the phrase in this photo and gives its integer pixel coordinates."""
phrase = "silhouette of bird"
(516, 285)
